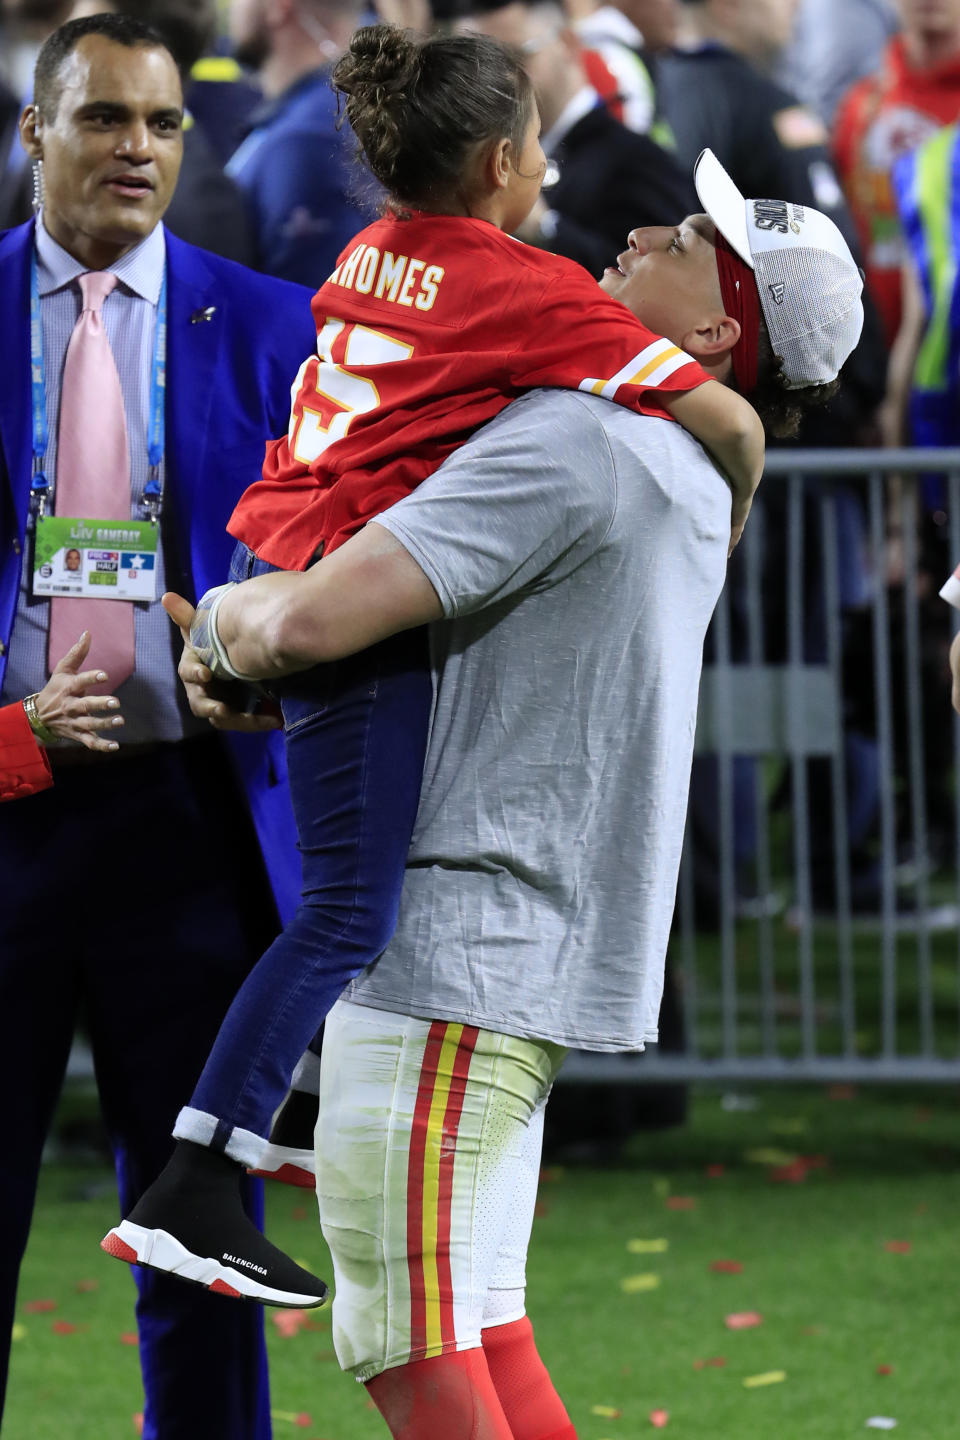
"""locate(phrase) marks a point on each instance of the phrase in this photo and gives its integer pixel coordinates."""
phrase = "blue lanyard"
(152, 498)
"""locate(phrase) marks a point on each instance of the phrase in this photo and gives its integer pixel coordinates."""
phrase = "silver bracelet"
(44, 734)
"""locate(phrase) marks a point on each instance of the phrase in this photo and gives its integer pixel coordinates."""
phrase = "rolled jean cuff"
(243, 1146)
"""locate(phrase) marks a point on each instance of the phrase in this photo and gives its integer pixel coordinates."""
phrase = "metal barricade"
(829, 945)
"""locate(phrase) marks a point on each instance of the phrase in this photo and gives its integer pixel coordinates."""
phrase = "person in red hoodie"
(915, 92)
(62, 710)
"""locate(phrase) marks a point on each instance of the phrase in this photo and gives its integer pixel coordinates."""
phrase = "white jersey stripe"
(650, 367)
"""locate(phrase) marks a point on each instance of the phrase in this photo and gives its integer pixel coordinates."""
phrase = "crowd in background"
(851, 106)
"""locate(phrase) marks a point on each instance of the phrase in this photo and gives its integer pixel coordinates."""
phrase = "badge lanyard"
(151, 500)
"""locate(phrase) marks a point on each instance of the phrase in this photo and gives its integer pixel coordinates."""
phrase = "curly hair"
(781, 409)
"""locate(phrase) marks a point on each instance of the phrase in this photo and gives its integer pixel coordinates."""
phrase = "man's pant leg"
(39, 988)
(422, 1137)
(176, 910)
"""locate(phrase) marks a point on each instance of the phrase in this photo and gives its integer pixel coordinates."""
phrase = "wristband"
(205, 639)
(44, 734)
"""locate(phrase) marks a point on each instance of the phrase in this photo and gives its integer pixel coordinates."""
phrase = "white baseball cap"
(808, 281)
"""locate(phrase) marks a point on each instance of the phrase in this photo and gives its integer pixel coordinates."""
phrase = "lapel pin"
(205, 314)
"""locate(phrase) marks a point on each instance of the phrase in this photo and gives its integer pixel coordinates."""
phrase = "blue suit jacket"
(228, 392)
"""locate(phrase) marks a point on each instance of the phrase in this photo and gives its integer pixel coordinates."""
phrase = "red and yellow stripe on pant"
(433, 1147)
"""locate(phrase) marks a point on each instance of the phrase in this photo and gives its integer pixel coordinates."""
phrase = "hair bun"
(379, 61)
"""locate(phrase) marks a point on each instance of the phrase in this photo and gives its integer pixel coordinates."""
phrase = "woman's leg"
(356, 736)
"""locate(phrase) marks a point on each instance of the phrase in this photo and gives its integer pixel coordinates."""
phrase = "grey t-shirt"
(578, 551)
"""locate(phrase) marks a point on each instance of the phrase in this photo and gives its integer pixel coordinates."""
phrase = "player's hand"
(199, 683)
(64, 706)
(955, 670)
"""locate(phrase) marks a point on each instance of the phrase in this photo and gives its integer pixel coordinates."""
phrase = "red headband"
(741, 300)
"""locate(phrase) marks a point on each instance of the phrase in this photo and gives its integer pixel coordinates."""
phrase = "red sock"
(532, 1406)
(450, 1397)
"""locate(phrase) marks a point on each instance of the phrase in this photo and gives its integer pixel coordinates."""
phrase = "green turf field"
(852, 1261)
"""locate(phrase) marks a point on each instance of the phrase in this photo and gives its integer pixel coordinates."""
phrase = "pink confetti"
(299, 1212)
(743, 1320)
(681, 1202)
(39, 1307)
(898, 1247)
(715, 1171)
(716, 1362)
(63, 1327)
(86, 1287)
(726, 1267)
(884, 1369)
(289, 1322)
(129, 1337)
(138, 1422)
(303, 1420)
(793, 1174)
(659, 1418)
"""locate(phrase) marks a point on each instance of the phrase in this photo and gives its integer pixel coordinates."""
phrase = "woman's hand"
(64, 706)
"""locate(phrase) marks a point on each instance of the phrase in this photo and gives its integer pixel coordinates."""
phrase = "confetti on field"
(291, 1417)
(794, 1174)
(289, 1322)
(768, 1155)
(39, 1307)
(636, 1284)
(541, 1208)
(769, 1377)
(19, 1332)
(897, 1247)
(884, 1369)
(86, 1287)
(648, 1247)
(606, 1412)
(659, 1418)
(63, 1327)
(681, 1202)
(881, 1422)
(743, 1320)
(726, 1267)
(138, 1423)
(732, 1101)
(129, 1337)
(299, 1212)
(714, 1172)
(716, 1362)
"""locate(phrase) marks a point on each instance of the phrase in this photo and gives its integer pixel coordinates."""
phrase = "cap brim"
(723, 203)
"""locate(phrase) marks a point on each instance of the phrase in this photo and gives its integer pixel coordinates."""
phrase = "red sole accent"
(118, 1248)
(220, 1287)
(288, 1175)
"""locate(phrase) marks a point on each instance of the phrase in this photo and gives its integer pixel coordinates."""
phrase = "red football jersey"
(427, 328)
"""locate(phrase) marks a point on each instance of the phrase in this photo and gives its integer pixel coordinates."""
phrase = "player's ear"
(712, 340)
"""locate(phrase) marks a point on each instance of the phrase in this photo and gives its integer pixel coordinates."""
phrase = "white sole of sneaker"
(289, 1167)
(161, 1251)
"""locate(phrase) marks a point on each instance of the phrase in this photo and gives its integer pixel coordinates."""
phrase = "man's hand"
(196, 679)
(955, 670)
(64, 706)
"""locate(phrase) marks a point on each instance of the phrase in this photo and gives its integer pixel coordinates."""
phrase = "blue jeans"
(355, 734)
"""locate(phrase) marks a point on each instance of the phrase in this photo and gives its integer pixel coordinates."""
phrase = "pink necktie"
(93, 480)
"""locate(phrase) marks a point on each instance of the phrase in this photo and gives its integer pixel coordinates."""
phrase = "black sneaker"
(289, 1155)
(191, 1223)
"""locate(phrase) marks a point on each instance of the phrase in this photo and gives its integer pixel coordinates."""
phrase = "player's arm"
(277, 624)
(730, 428)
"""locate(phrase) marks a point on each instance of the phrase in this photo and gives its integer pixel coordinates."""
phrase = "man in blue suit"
(98, 917)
